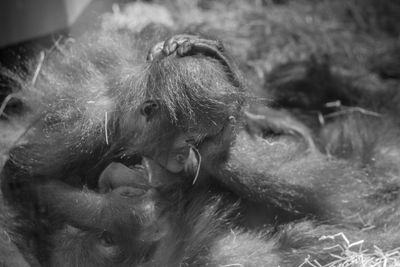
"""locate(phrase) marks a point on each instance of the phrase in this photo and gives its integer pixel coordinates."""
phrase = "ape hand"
(189, 45)
(183, 45)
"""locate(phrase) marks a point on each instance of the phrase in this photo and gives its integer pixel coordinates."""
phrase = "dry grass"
(353, 255)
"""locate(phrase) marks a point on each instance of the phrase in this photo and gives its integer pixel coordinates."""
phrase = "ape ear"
(149, 108)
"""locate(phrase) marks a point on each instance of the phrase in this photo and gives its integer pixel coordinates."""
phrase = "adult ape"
(92, 103)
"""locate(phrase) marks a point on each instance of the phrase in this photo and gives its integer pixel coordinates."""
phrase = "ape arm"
(278, 173)
(274, 173)
(267, 188)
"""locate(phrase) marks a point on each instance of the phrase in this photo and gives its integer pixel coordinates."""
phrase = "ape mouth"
(184, 156)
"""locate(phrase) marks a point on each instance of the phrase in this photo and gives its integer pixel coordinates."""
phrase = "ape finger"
(188, 45)
(155, 51)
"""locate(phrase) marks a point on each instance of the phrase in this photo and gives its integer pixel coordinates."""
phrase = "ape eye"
(149, 108)
(106, 239)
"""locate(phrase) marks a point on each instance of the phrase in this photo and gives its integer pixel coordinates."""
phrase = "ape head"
(188, 93)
